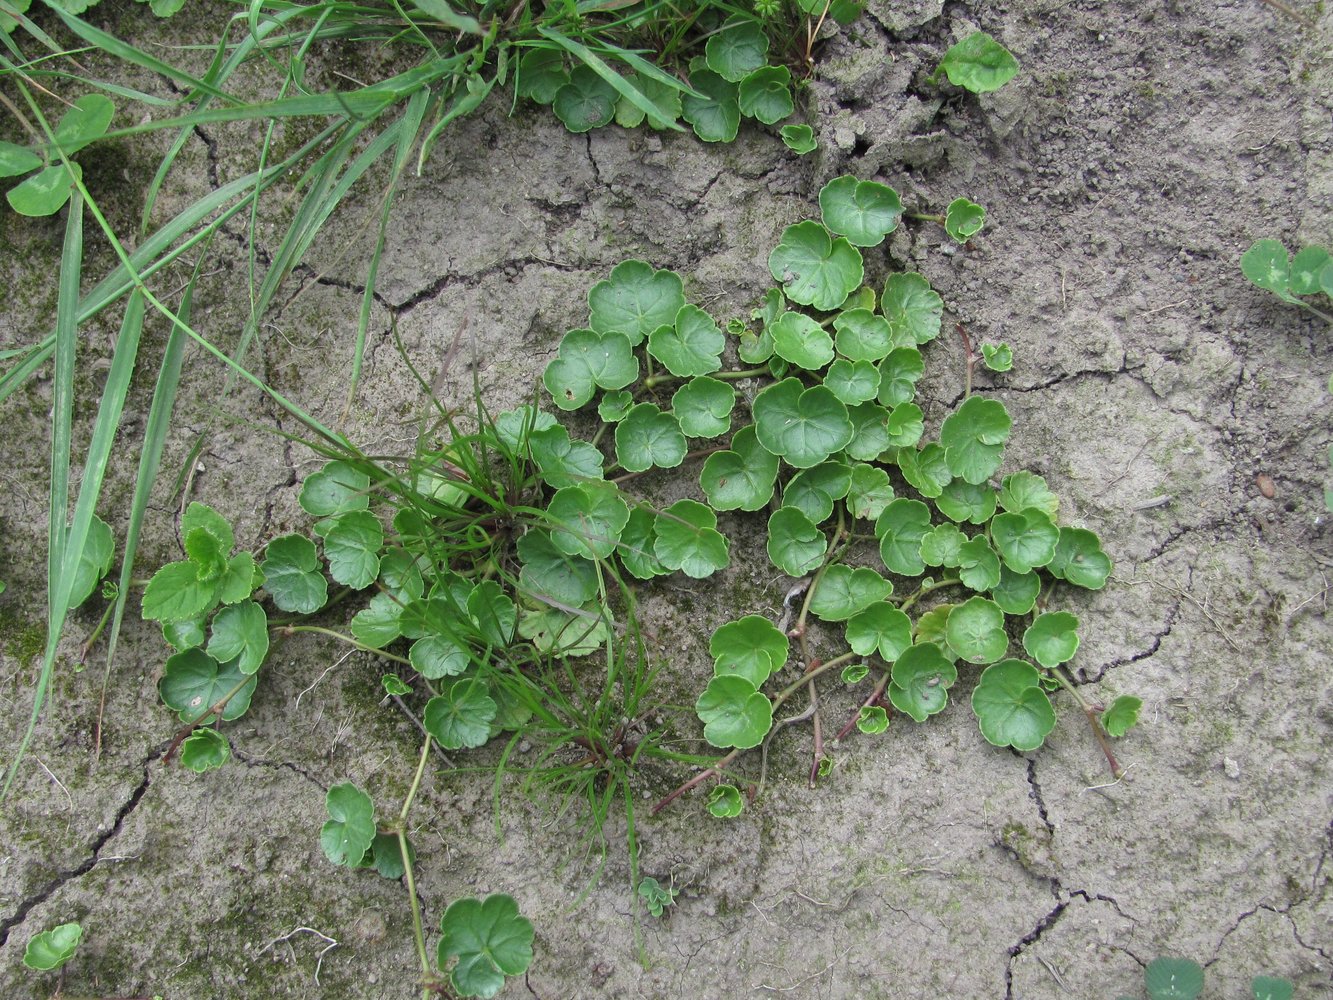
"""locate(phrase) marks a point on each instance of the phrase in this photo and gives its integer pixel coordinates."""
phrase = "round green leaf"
(900, 530)
(741, 478)
(635, 301)
(588, 360)
(921, 678)
(872, 720)
(52, 949)
(765, 94)
(979, 63)
(1267, 265)
(649, 437)
(436, 656)
(83, 123)
(637, 541)
(905, 426)
(688, 540)
(1025, 539)
(192, 682)
(380, 623)
(926, 468)
(975, 631)
(813, 491)
(587, 519)
(703, 406)
(204, 750)
(752, 647)
(1079, 559)
(614, 405)
(552, 574)
(842, 592)
(1306, 268)
(563, 461)
(860, 335)
(978, 565)
(738, 49)
(183, 635)
(815, 269)
(804, 426)
(1173, 979)
(586, 102)
(802, 341)
(853, 382)
(563, 634)
(734, 713)
(692, 345)
(800, 139)
(352, 545)
(43, 193)
(898, 375)
(725, 802)
(462, 715)
(870, 492)
(716, 115)
(489, 939)
(942, 545)
(1011, 708)
(880, 628)
(870, 431)
(1016, 593)
(863, 211)
(334, 489)
(350, 831)
(240, 632)
(1121, 717)
(912, 308)
(964, 501)
(998, 357)
(1027, 489)
(963, 219)
(973, 437)
(292, 575)
(541, 74)
(512, 427)
(855, 673)
(795, 544)
(1052, 638)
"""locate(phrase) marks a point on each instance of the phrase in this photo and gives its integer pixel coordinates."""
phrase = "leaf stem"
(320, 630)
(1090, 711)
(870, 702)
(925, 217)
(653, 381)
(1318, 312)
(926, 588)
(401, 830)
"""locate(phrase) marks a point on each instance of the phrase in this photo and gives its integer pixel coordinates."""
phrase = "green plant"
(52, 949)
(978, 63)
(1182, 979)
(656, 897)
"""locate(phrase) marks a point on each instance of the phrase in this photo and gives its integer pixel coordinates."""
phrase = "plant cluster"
(1182, 979)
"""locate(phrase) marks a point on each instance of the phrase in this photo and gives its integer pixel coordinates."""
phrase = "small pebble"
(1231, 768)
(1265, 484)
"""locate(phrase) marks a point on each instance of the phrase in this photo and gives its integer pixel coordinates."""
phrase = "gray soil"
(1143, 147)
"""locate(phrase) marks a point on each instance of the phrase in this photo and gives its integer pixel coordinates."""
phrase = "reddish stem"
(871, 702)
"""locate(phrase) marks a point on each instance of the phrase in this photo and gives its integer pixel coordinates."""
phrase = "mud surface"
(1141, 150)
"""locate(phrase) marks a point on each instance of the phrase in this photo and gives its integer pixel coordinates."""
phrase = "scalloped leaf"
(975, 630)
(922, 676)
(741, 478)
(804, 426)
(734, 713)
(815, 269)
(751, 647)
(863, 211)
(634, 301)
(1011, 708)
(795, 544)
(688, 540)
(649, 437)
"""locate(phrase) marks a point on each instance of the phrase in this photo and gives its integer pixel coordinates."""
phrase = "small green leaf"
(51, 949)
(898, 375)
(979, 63)
(804, 426)
(813, 491)
(1267, 265)
(395, 685)
(634, 301)
(1122, 716)
(655, 896)
(855, 673)
(1079, 559)
(872, 720)
(905, 426)
(183, 635)
(738, 49)
(1052, 638)
(99, 548)
(193, 682)
(563, 634)
(978, 565)
(352, 544)
(998, 357)
(913, 309)
(860, 335)
(715, 116)
(1027, 489)
(648, 437)
(175, 594)
(204, 750)
(240, 632)
(692, 345)
(734, 713)
(1173, 979)
(853, 382)
(963, 219)
(870, 431)
(586, 361)
(563, 461)
(587, 519)
(975, 631)
(436, 656)
(725, 802)
(1016, 593)
(1025, 539)
(941, 546)
(378, 624)
(795, 544)
(386, 854)
(241, 578)
(493, 613)
(802, 341)
(973, 437)
(926, 468)
(703, 406)
(541, 74)
(18, 160)
(815, 269)
(586, 102)
(1011, 708)
(863, 211)
(490, 940)
(963, 501)
(613, 406)
(637, 540)
(880, 628)
(800, 139)
(900, 530)
(870, 492)
(922, 676)
(44, 193)
(549, 573)
(656, 93)
(461, 716)
(765, 94)
(688, 540)
(292, 575)
(512, 427)
(336, 488)
(1306, 267)
(752, 647)
(741, 478)
(842, 592)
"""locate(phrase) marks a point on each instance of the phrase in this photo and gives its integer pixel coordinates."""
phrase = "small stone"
(1231, 768)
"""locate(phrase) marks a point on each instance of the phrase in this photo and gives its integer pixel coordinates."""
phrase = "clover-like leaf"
(1268, 265)
(800, 139)
(44, 193)
(352, 544)
(634, 301)
(587, 519)
(814, 268)
(649, 437)
(703, 406)
(921, 678)
(870, 492)
(998, 357)
(860, 335)
(963, 219)
(741, 478)
(52, 949)
(1011, 708)
(541, 74)
(1306, 267)
(716, 113)
(804, 426)
(765, 94)
(586, 102)
(725, 802)
(739, 48)
(973, 437)
(863, 211)
(1121, 717)
(85, 122)
(688, 540)
(204, 750)
(734, 713)
(978, 565)
(795, 544)
(1025, 539)
(880, 628)
(462, 715)
(637, 541)
(814, 490)
(335, 489)
(979, 63)
(1079, 559)
(964, 501)
(900, 530)
(975, 630)
(913, 309)
(490, 940)
(193, 682)
(802, 341)
(843, 591)
(898, 375)
(853, 381)
(586, 361)
(1016, 593)
(1020, 490)
(1173, 979)
(552, 574)
(240, 632)
(17, 160)
(562, 460)
(751, 647)
(692, 345)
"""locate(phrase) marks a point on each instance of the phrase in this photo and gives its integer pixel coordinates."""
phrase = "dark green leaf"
(292, 576)
(703, 406)
(863, 211)
(586, 102)
(541, 74)
(804, 426)
(350, 831)
(860, 335)
(715, 116)
(795, 544)
(648, 437)
(842, 592)
(1173, 979)
(900, 530)
(741, 478)
(587, 519)
(765, 94)
(973, 437)
(193, 682)
(1011, 708)
(240, 633)
(490, 940)
(692, 345)
(802, 341)
(738, 49)
(752, 647)
(922, 676)
(815, 269)
(635, 301)
(336, 488)
(44, 193)
(975, 631)
(462, 715)
(688, 540)
(880, 628)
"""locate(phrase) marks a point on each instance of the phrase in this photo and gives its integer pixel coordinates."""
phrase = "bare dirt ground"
(1143, 147)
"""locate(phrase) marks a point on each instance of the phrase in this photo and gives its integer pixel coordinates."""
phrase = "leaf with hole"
(703, 407)
(870, 492)
(1173, 979)
(634, 301)
(795, 544)
(1011, 708)
(734, 713)
(975, 631)
(802, 341)
(973, 437)
(814, 490)
(490, 940)
(843, 592)
(587, 519)
(688, 540)
(586, 102)
(863, 211)
(741, 478)
(765, 94)
(461, 716)
(588, 360)
(739, 48)
(963, 219)
(1079, 559)
(51, 949)
(814, 268)
(292, 575)
(715, 114)
(900, 530)
(725, 802)
(193, 682)
(204, 750)
(800, 139)
(752, 647)
(879, 628)
(1122, 716)
(649, 437)
(240, 633)
(979, 63)
(921, 678)
(804, 426)
(692, 345)
(913, 309)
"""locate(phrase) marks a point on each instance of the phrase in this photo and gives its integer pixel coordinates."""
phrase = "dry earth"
(1141, 150)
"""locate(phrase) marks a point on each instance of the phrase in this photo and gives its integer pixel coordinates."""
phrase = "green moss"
(25, 641)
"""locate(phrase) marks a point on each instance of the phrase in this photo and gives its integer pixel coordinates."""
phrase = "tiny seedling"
(656, 897)
(1182, 979)
(51, 949)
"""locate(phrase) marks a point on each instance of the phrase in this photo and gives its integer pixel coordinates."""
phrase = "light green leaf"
(870, 431)
(804, 426)
(51, 949)
(241, 579)
(998, 357)
(725, 802)
(880, 628)
(461, 716)
(979, 63)
(872, 720)
(204, 750)
(1271, 988)
(734, 713)
(703, 406)
(815, 269)
(512, 427)
(240, 633)
(795, 545)
(765, 94)
(1173, 979)
(292, 575)
(900, 530)
(741, 478)
(1121, 717)
(1079, 559)
(378, 624)
(975, 631)
(963, 219)
(352, 545)
(863, 211)
(1011, 708)
(802, 341)
(870, 492)
(922, 676)
(614, 405)
(635, 301)
(335, 489)
(490, 940)
(843, 592)
(688, 540)
(648, 437)
(1025, 539)
(17, 160)
(1268, 265)
(905, 427)
(853, 382)
(860, 335)
(565, 634)
(913, 309)
(692, 345)
(1052, 638)
(941, 546)
(813, 491)
(752, 647)
(183, 635)
(99, 548)
(350, 831)
(563, 461)
(926, 468)
(1027, 489)
(656, 93)
(800, 139)
(43, 193)
(973, 437)
(493, 613)
(175, 594)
